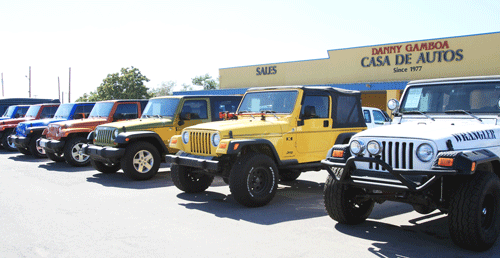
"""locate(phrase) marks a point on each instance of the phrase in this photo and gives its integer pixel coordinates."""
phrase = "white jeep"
(442, 151)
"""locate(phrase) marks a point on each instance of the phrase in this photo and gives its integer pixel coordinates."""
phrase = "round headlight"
(425, 152)
(393, 104)
(115, 133)
(357, 147)
(185, 137)
(215, 139)
(374, 147)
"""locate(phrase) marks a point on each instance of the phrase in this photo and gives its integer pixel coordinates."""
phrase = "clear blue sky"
(178, 40)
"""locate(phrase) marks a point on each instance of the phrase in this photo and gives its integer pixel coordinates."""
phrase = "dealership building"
(380, 72)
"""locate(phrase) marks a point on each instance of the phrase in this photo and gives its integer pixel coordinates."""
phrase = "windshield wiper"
(269, 112)
(416, 112)
(461, 111)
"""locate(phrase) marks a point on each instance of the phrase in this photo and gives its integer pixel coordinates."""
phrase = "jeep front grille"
(200, 142)
(104, 136)
(398, 154)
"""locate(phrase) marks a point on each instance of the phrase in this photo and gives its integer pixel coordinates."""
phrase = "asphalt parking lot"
(50, 209)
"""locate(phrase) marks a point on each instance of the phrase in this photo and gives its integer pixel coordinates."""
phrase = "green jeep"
(138, 146)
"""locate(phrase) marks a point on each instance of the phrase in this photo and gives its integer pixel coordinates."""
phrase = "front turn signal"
(445, 162)
(338, 153)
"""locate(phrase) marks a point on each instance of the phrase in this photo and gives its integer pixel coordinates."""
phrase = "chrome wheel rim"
(143, 161)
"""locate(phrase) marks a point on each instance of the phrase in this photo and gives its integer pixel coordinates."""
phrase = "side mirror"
(181, 121)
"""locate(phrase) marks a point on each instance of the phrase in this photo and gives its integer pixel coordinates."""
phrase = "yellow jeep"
(276, 133)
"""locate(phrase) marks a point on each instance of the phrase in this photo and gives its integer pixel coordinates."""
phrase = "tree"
(164, 89)
(186, 87)
(206, 81)
(128, 84)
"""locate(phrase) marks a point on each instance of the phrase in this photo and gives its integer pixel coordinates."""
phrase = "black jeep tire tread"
(265, 170)
(188, 181)
(339, 203)
(287, 175)
(128, 160)
(68, 152)
(54, 156)
(5, 143)
(34, 150)
(23, 151)
(465, 220)
(104, 168)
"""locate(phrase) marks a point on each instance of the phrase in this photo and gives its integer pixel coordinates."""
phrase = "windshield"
(161, 107)
(471, 97)
(64, 111)
(269, 101)
(101, 109)
(9, 112)
(33, 111)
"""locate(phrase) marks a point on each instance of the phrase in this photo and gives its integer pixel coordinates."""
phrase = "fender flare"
(135, 135)
(344, 136)
(251, 142)
(463, 160)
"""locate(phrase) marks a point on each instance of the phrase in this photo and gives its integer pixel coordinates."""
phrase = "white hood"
(464, 134)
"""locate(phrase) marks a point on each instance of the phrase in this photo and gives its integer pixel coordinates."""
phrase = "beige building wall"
(426, 59)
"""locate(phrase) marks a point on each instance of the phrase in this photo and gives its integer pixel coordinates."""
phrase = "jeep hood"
(243, 126)
(41, 122)
(82, 123)
(15, 120)
(140, 123)
(463, 134)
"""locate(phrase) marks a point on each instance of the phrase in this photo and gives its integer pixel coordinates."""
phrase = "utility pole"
(29, 91)
(59, 88)
(69, 89)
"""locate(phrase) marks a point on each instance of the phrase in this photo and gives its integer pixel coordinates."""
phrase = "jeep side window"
(48, 112)
(194, 109)
(315, 107)
(368, 118)
(378, 117)
(345, 112)
(126, 111)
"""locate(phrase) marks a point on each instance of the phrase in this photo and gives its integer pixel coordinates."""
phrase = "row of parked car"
(440, 152)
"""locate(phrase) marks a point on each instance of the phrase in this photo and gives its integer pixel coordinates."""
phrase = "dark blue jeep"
(15, 111)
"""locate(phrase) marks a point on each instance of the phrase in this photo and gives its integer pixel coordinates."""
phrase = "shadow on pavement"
(428, 232)
(296, 200)
(119, 179)
(63, 167)
(27, 158)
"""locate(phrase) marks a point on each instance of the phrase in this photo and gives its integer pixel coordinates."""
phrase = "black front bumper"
(387, 179)
(105, 154)
(19, 141)
(194, 161)
(54, 146)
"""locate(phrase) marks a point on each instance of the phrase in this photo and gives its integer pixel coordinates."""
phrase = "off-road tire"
(72, 152)
(5, 143)
(141, 161)
(474, 214)
(341, 205)
(54, 156)
(103, 167)
(253, 180)
(287, 175)
(35, 150)
(23, 151)
(188, 181)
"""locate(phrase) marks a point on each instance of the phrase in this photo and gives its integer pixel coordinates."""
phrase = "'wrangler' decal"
(477, 135)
